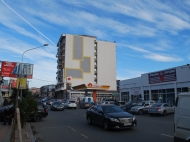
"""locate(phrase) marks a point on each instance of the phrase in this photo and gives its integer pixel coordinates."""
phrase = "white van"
(182, 118)
(86, 102)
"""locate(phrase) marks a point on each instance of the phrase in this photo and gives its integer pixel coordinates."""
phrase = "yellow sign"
(21, 82)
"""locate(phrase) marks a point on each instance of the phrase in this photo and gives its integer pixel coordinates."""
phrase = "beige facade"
(86, 60)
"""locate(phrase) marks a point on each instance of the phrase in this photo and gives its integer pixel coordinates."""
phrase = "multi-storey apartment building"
(84, 59)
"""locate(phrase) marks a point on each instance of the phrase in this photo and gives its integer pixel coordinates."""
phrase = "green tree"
(27, 105)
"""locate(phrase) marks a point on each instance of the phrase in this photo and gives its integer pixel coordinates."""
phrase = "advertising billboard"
(13, 69)
(162, 76)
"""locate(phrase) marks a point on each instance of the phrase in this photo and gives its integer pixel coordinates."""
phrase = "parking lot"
(71, 125)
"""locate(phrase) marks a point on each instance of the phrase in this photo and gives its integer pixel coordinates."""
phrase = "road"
(70, 125)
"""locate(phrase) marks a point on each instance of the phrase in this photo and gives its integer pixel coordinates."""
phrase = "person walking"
(7, 116)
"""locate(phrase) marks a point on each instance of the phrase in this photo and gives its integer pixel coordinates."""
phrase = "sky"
(150, 35)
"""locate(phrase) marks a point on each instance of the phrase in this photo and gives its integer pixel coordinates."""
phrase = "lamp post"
(22, 64)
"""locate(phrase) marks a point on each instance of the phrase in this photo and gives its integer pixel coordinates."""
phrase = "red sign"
(14, 84)
(12, 69)
(7, 68)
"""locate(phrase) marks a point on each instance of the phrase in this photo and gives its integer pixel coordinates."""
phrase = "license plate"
(127, 124)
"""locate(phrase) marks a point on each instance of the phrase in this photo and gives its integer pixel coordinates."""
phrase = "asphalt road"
(70, 125)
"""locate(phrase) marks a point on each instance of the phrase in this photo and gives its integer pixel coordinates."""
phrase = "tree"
(27, 105)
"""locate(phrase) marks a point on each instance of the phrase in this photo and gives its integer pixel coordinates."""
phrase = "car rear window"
(72, 101)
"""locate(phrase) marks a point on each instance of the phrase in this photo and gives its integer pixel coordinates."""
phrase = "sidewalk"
(5, 133)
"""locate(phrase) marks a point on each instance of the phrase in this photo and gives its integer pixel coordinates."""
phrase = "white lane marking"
(167, 135)
(71, 128)
(84, 136)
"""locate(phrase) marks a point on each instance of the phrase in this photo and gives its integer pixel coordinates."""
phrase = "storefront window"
(185, 89)
(154, 91)
(155, 97)
(178, 90)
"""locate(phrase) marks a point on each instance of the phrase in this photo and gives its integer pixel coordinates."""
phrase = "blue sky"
(151, 35)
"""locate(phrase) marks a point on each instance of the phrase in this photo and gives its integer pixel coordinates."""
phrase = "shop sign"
(94, 85)
(162, 76)
(135, 91)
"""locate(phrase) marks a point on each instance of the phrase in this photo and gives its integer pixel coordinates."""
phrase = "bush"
(27, 106)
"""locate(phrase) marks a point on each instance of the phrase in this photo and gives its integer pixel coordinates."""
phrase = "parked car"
(182, 118)
(42, 112)
(142, 107)
(127, 107)
(86, 102)
(57, 105)
(110, 116)
(120, 103)
(161, 108)
(49, 102)
(70, 104)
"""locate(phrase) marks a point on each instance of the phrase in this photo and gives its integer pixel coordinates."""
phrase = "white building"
(161, 86)
(85, 60)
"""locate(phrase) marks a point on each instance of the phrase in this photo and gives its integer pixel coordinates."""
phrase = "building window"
(185, 89)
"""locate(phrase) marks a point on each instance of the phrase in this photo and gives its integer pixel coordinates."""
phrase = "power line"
(43, 80)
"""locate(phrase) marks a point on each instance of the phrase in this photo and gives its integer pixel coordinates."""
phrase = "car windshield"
(156, 105)
(72, 101)
(140, 104)
(111, 109)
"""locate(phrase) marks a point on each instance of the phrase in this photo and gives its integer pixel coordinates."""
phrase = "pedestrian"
(7, 115)
(5, 103)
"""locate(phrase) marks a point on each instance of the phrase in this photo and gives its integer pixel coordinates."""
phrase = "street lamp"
(22, 63)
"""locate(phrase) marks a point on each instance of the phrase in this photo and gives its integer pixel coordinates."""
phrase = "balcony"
(95, 79)
(95, 66)
(95, 72)
(95, 60)
(95, 54)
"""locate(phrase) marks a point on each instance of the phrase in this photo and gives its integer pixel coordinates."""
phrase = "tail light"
(46, 110)
(158, 109)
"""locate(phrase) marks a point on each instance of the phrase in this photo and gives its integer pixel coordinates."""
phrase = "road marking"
(167, 135)
(84, 136)
(71, 128)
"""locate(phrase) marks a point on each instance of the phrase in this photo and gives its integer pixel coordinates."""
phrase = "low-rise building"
(161, 86)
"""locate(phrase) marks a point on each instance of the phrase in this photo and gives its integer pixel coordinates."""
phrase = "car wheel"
(140, 112)
(164, 113)
(89, 120)
(38, 118)
(106, 125)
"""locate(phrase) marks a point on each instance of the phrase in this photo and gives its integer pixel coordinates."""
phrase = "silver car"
(70, 104)
(142, 107)
(161, 108)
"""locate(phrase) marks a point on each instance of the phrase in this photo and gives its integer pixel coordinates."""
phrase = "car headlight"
(114, 119)
(133, 118)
